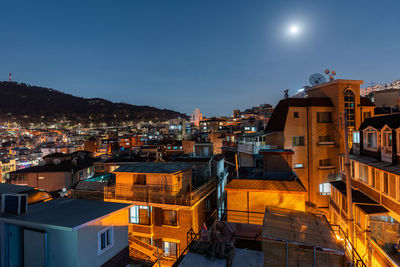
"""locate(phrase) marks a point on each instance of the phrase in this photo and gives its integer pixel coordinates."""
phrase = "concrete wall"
(87, 251)
(256, 201)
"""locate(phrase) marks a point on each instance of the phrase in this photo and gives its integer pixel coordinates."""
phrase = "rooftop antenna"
(9, 77)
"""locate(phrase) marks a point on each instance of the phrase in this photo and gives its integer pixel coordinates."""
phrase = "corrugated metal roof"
(268, 185)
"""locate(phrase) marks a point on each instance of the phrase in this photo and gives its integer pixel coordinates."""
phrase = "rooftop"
(382, 165)
(270, 185)
(64, 213)
(154, 167)
(299, 227)
(378, 122)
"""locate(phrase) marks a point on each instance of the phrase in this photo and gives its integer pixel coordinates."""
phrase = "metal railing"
(158, 193)
(350, 252)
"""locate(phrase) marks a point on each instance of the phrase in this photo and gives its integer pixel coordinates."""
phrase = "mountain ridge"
(24, 104)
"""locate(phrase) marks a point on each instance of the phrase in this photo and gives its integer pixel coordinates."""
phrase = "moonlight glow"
(294, 29)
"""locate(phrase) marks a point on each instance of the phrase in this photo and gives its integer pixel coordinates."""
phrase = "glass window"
(349, 107)
(325, 188)
(105, 239)
(170, 217)
(392, 186)
(298, 140)
(298, 166)
(170, 249)
(295, 114)
(140, 215)
(325, 162)
(385, 183)
(324, 117)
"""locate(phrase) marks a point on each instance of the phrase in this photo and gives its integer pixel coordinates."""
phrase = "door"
(35, 248)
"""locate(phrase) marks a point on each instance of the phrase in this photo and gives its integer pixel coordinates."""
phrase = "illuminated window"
(298, 166)
(140, 215)
(356, 137)
(170, 249)
(325, 188)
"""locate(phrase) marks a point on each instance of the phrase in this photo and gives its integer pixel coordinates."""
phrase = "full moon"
(294, 29)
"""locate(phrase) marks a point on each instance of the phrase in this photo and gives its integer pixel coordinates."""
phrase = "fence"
(158, 193)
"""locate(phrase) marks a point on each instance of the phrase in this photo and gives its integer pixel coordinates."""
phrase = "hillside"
(25, 104)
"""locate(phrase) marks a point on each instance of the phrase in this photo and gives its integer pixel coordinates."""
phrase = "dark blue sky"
(215, 55)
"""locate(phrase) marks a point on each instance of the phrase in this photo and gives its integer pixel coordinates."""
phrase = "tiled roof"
(365, 101)
(278, 118)
(154, 167)
(270, 185)
(391, 120)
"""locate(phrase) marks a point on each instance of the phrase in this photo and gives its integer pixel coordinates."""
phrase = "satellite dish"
(317, 78)
(333, 72)
(326, 71)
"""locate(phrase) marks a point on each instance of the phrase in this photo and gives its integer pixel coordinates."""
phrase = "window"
(385, 183)
(349, 107)
(370, 139)
(140, 215)
(325, 188)
(139, 179)
(387, 138)
(377, 180)
(298, 140)
(325, 138)
(373, 180)
(170, 249)
(392, 186)
(367, 115)
(170, 217)
(298, 166)
(325, 162)
(105, 239)
(356, 137)
(324, 117)
(295, 114)
(363, 172)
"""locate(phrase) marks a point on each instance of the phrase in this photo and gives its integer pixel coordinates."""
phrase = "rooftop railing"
(164, 194)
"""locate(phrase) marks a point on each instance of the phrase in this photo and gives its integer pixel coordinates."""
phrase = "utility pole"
(348, 179)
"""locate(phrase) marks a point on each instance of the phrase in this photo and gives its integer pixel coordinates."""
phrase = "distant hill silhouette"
(24, 104)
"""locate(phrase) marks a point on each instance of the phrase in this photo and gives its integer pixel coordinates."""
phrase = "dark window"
(298, 140)
(325, 162)
(324, 117)
(296, 114)
(170, 217)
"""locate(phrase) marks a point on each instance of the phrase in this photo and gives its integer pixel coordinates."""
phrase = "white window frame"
(325, 189)
(108, 246)
(374, 132)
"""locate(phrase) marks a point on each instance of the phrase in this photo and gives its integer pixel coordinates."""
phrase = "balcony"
(253, 148)
(158, 193)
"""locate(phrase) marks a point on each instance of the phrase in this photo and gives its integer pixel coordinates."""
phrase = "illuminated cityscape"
(209, 133)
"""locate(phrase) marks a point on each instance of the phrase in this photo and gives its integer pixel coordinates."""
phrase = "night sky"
(215, 55)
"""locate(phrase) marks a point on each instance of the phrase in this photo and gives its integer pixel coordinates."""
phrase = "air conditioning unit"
(14, 203)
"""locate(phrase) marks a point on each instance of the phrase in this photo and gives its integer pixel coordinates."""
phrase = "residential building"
(65, 232)
(168, 199)
(312, 128)
(375, 177)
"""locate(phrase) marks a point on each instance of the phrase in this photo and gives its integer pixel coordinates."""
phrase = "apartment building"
(375, 176)
(312, 128)
(168, 200)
